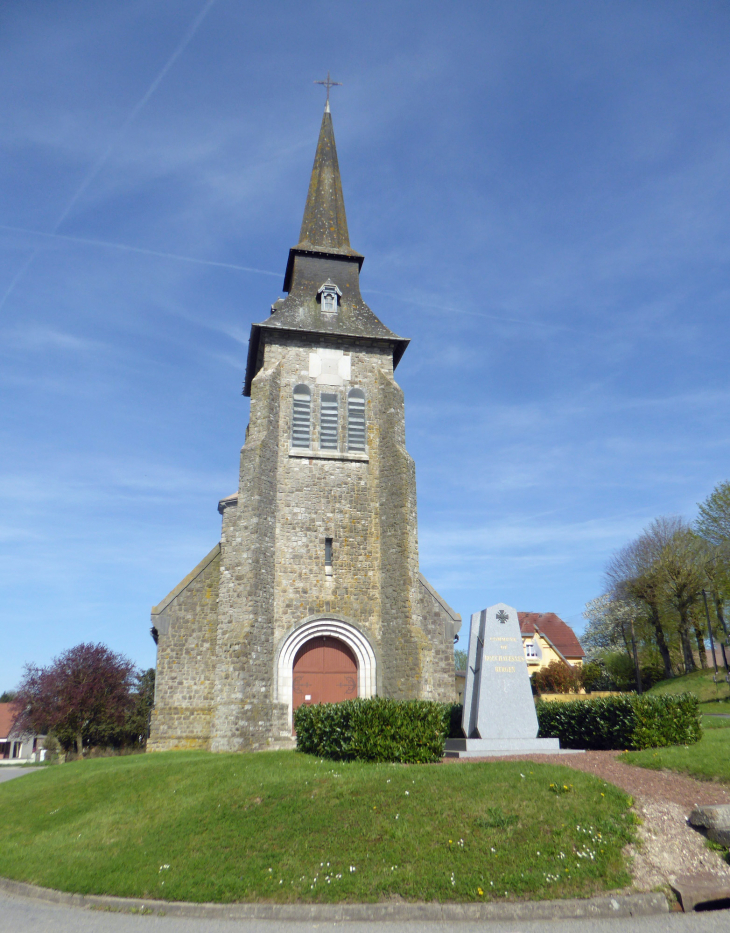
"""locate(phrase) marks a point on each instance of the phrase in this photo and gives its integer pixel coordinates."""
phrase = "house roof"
(557, 631)
(8, 715)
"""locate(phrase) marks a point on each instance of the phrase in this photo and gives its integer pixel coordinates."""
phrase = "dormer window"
(329, 295)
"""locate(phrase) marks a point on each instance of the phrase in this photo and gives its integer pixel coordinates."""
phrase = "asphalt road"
(18, 914)
(8, 772)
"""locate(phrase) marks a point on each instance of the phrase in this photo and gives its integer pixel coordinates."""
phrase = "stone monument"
(499, 711)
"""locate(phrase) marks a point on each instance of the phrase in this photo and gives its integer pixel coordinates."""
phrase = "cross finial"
(328, 84)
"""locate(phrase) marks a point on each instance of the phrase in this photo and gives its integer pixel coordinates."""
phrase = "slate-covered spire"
(324, 226)
(323, 256)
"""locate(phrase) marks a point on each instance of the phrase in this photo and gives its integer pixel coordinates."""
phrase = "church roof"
(323, 254)
(558, 632)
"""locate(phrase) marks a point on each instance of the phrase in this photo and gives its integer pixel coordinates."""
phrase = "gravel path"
(669, 845)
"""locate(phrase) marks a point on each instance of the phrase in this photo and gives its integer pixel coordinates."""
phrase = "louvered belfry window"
(301, 426)
(328, 422)
(356, 420)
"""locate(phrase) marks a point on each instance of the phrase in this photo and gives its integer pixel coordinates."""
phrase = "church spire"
(324, 225)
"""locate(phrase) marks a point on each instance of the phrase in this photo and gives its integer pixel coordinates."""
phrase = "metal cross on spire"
(328, 84)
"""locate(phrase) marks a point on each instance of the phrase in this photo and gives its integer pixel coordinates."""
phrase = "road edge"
(612, 905)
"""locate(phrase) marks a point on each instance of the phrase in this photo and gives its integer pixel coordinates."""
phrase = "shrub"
(456, 713)
(557, 677)
(652, 672)
(628, 722)
(593, 674)
(376, 729)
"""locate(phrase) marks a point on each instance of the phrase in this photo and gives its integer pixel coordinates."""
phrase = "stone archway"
(324, 671)
(353, 639)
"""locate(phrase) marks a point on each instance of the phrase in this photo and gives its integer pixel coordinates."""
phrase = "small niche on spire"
(329, 296)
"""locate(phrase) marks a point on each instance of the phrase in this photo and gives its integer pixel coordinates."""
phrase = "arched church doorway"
(324, 671)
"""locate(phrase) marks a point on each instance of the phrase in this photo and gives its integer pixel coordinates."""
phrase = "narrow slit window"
(301, 426)
(328, 555)
(328, 418)
(356, 420)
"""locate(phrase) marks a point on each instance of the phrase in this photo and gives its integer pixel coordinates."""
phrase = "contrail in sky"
(100, 162)
(136, 249)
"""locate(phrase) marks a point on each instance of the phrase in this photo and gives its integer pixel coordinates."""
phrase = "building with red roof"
(546, 638)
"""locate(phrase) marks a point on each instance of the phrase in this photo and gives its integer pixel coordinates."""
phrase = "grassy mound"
(281, 826)
(708, 760)
(715, 697)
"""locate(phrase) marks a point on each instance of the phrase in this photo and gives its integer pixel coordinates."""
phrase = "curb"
(619, 905)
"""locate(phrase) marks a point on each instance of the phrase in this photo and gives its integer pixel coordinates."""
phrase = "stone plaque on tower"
(499, 711)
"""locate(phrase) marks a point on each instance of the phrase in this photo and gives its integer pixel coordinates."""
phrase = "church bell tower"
(314, 593)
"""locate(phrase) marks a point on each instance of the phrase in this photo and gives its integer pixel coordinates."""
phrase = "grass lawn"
(708, 759)
(714, 697)
(281, 826)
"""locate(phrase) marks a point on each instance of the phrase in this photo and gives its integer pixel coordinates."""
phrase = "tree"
(136, 726)
(609, 621)
(713, 523)
(84, 695)
(634, 573)
(7, 696)
(460, 660)
(680, 564)
(713, 526)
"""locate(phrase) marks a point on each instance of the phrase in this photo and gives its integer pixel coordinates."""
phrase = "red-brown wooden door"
(325, 671)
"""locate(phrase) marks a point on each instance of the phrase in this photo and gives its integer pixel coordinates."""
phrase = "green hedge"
(377, 729)
(628, 722)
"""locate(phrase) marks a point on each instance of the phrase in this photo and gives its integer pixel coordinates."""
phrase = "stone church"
(314, 592)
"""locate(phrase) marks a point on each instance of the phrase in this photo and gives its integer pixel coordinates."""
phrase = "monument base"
(483, 748)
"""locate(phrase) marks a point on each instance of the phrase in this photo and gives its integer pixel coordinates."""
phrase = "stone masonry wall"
(328, 494)
(186, 622)
(244, 714)
(217, 670)
(440, 623)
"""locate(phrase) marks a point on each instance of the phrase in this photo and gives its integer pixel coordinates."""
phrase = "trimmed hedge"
(627, 722)
(376, 729)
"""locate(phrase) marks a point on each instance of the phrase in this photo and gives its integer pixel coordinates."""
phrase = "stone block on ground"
(715, 820)
(702, 890)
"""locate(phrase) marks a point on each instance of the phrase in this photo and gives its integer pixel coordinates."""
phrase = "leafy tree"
(609, 625)
(460, 660)
(632, 573)
(713, 526)
(713, 523)
(680, 565)
(593, 675)
(84, 695)
(7, 696)
(621, 670)
(136, 726)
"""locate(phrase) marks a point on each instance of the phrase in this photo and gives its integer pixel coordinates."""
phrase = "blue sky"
(541, 194)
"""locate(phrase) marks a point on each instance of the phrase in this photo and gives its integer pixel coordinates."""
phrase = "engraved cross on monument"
(499, 712)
